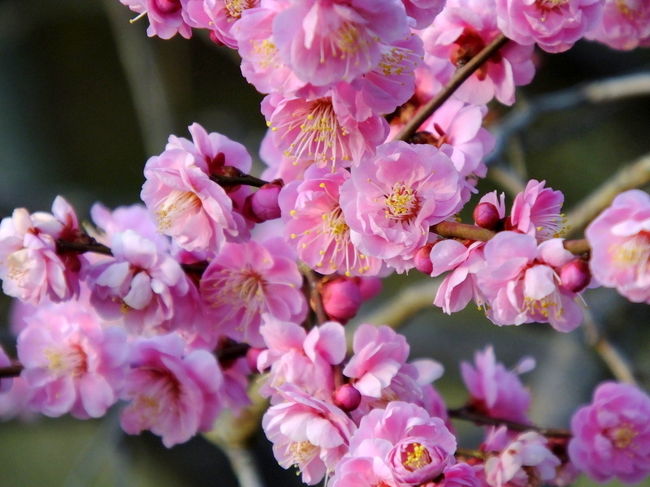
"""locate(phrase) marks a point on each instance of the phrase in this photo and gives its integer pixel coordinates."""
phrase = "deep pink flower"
(392, 199)
(31, 269)
(324, 42)
(538, 211)
(307, 432)
(219, 16)
(554, 25)
(461, 475)
(520, 282)
(245, 280)
(316, 226)
(174, 393)
(611, 436)
(165, 17)
(494, 390)
(461, 31)
(625, 24)
(620, 246)
(526, 456)
(71, 362)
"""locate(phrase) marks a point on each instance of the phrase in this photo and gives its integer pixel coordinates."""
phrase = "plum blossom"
(494, 390)
(219, 16)
(248, 279)
(392, 199)
(71, 362)
(307, 432)
(172, 392)
(422, 12)
(611, 436)
(537, 211)
(32, 269)
(625, 24)
(5, 384)
(165, 17)
(620, 246)
(316, 227)
(520, 282)
(188, 206)
(460, 32)
(554, 25)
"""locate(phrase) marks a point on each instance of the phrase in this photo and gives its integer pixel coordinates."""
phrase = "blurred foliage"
(69, 124)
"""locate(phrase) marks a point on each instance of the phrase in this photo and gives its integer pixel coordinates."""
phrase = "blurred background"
(86, 98)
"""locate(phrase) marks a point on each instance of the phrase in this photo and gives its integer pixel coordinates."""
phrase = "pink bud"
(369, 287)
(486, 215)
(251, 357)
(166, 6)
(341, 298)
(575, 275)
(263, 204)
(422, 260)
(347, 397)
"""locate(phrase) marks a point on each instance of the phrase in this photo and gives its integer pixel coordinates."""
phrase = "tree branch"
(458, 79)
(469, 415)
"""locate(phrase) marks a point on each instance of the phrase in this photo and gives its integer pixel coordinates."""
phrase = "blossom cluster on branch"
(174, 306)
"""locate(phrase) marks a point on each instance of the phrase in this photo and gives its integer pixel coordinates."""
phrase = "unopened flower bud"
(575, 275)
(369, 287)
(341, 298)
(423, 260)
(251, 357)
(486, 215)
(263, 204)
(347, 397)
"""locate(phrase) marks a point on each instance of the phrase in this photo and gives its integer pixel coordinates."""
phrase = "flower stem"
(469, 415)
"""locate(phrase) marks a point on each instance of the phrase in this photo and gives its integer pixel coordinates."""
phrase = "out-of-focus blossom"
(625, 24)
(538, 211)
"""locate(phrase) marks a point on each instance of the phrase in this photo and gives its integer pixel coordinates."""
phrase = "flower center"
(236, 7)
(622, 436)
(402, 203)
(415, 456)
(67, 362)
(174, 206)
(634, 253)
(302, 452)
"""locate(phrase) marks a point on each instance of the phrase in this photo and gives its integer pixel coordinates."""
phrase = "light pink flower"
(307, 432)
(71, 362)
(461, 31)
(188, 206)
(244, 281)
(142, 286)
(525, 457)
(461, 475)
(31, 268)
(316, 226)
(363, 471)
(625, 24)
(423, 11)
(611, 436)
(620, 246)
(172, 392)
(494, 390)
(520, 282)
(324, 42)
(554, 25)
(392, 199)
(538, 211)
(165, 17)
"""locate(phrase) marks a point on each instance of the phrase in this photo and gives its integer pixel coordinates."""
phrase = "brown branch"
(469, 415)
(458, 79)
(238, 179)
(315, 301)
(91, 245)
(13, 370)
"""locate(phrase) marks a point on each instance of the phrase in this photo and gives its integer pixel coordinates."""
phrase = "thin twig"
(245, 179)
(468, 415)
(633, 175)
(458, 79)
(315, 299)
(12, 370)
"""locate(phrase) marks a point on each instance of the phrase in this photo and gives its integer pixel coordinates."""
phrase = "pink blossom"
(423, 11)
(312, 130)
(520, 282)
(5, 384)
(379, 353)
(299, 358)
(341, 298)
(554, 25)
(461, 475)
(525, 457)
(165, 17)
(415, 446)
(31, 267)
(316, 226)
(392, 199)
(307, 432)
(537, 211)
(142, 286)
(620, 246)
(244, 281)
(326, 42)
(625, 24)
(234, 392)
(71, 362)
(494, 390)
(611, 436)
(172, 392)
(188, 206)
(461, 31)
(220, 16)
(363, 471)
